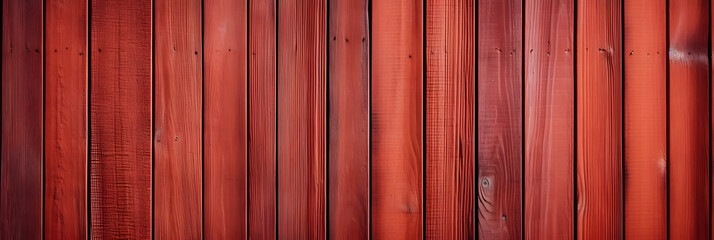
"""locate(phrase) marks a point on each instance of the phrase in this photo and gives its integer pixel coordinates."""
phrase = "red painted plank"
(689, 119)
(262, 122)
(301, 119)
(349, 119)
(120, 119)
(549, 119)
(450, 114)
(225, 115)
(397, 88)
(599, 119)
(499, 118)
(65, 204)
(645, 98)
(22, 114)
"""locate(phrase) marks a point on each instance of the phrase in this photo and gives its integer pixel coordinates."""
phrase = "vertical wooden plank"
(349, 119)
(22, 114)
(301, 118)
(65, 194)
(396, 119)
(225, 115)
(599, 119)
(549, 119)
(120, 119)
(499, 118)
(689, 119)
(450, 113)
(262, 121)
(645, 49)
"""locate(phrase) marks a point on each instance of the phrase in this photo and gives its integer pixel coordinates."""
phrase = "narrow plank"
(450, 115)
(599, 119)
(645, 172)
(689, 119)
(225, 129)
(262, 120)
(499, 118)
(549, 119)
(301, 118)
(396, 119)
(22, 114)
(120, 119)
(65, 204)
(348, 119)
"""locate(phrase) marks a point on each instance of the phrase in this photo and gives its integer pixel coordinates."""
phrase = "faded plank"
(689, 119)
(22, 116)
(348, 119)
(549, 119)
(225, 115)
(645, 172)
(396, 119)
(120, 119)
(301, 118)
(65, 205)
(450, 117)
(499, 118)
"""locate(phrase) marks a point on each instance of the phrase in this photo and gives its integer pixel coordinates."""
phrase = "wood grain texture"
(348, 115)
(226, 117)
(178, 120)
(645, 172)
(396, 119)
(450, 117)
(499, 118)
(22, 118)
(549, 119)
(689, 119)
(301, 119)
(599, 119)
(262, 120)
(65, 204)
(120, 119)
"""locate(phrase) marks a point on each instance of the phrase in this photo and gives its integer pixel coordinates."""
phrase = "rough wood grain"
(120, 119)
(499, 118)
(689, 119)
(262, 121)
(348, 115)
(65, 205)
(549, 119)
(599, 119)
(22, 117)
(645, 172)
(301, 118)
(225, 115)
(450, 117)
(396, 119)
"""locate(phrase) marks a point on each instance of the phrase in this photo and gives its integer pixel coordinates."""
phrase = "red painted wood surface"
(65, 195)
(450, 119)
(301, 118)
(599, 119)
(120, 119)
(178, 120)
(689, 119)
(499, 118)
(225, 119)
(549, 119)
(262, 120)
(22, 116)
(645, 169)
(348, 115)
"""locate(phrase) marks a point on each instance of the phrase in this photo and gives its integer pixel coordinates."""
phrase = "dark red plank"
(120, 119)
(349, 119)
(22, 113)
